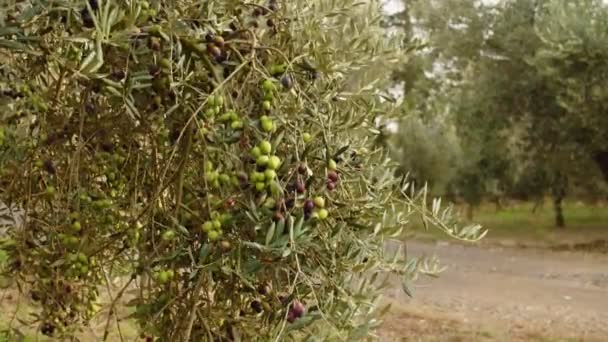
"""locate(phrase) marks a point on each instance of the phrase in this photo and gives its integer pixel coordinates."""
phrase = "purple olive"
(300, 187)
(287, 82)
(309, 205)
(333, 176)
(331, 186)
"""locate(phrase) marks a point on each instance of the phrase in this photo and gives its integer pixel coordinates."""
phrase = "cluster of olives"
(163, 276)
(216, 47)
(267, 165)
(215, 179)
(78, 264)
(315, 208)
(213, 227)
(332, 175)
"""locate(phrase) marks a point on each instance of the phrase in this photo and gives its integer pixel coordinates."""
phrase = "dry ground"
(503, 294)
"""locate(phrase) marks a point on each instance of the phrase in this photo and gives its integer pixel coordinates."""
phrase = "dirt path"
(504, 294)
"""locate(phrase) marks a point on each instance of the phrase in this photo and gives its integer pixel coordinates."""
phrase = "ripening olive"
(319, 202)
(331, 165)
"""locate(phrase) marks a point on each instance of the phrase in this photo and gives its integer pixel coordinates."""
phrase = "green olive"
(168, 235)
(265, 147)
(213, 235)
(262, 160)
(267, 125)
(217, 224)
(273, 162)
(238, 124)
(306, 137)
(76, 226)
(266, 105)
(322, 214)
(268, 86)
(270, 174)
(207, 226)
(256, 152)
(332, 165)
(259, 186)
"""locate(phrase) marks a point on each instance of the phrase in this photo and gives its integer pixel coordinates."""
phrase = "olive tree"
(219, 156)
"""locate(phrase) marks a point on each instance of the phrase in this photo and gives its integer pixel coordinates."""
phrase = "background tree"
(519, 79)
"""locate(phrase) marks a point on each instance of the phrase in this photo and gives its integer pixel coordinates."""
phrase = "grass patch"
(517, 222)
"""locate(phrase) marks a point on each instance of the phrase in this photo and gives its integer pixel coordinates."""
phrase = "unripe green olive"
(256, 152)
(217, 224)
(259, 186)
(322, 214)
(168, 235)
(306, 137)
(266, 105)
(270, 174)
(207, 226)
(267, 125)
(273, 162)
(238, 124)
(262, 160)
(265, 147)
(268, 85)
(213, 235)
(76, 226)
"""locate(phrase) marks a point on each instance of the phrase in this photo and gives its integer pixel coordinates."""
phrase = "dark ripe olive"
(214, 50)
(278, 216)
(309, 205)
(219, 41)
(153, 70)
(209, 37)
(302, 168)
(263, 290)
(256, 306)
(300, 187)
(287, 82)
(233, 26)
(49, 167)
(273, 5)
(254, 24)
(256, 12)
(87, 20)
(94, 5)
(331, 186)
(289, 203)
(107, 146)
(333, 176)
(47, 329)
(35, 295)
(118, 75)
(270, 22)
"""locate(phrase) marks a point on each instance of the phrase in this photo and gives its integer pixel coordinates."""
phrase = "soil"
(502, 294)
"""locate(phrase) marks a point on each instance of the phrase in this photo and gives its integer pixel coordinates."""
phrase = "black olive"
(256, 306)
